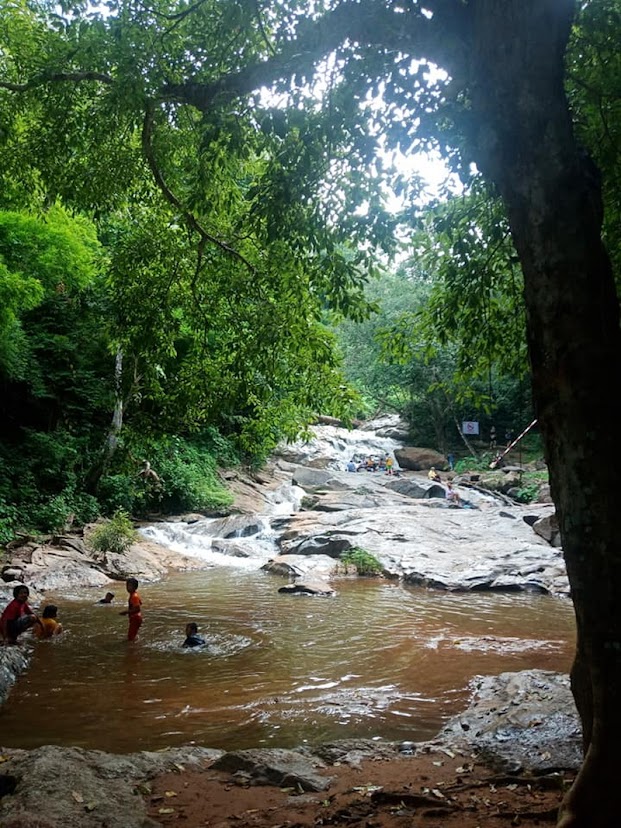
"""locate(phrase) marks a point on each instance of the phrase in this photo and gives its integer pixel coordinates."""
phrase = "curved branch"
(190, 218)
(362, 22)
(57, 77)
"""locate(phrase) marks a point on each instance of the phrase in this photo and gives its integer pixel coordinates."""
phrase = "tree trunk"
(524, 143)
(112, 439)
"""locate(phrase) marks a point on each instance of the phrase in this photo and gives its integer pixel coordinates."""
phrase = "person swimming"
(107, 599)
(48, 625)
(193, 639)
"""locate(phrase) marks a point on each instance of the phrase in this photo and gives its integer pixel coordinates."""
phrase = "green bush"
(188, 478)
(115, 535)
(118, 491)
(51, 515)
(8, 521)
(362, 560)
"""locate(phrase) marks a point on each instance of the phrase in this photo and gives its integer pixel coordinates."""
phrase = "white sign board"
(469, 427)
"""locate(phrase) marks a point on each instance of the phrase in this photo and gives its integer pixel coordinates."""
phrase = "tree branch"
(57, 77)
(353, 22)
(190, 218)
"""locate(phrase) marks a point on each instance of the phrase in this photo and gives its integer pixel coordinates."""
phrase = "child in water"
(107, 599)
(47, 625)
(193, 639)
(134, 608)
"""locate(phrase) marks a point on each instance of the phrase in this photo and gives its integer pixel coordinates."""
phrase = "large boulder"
(418, 459)
(524, 721)
(427, 543)
(314, 479)
(547, 527)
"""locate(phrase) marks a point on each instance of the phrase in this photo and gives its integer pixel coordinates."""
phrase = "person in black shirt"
(192, 639)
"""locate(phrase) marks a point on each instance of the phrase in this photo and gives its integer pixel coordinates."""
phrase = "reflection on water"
(377, 660)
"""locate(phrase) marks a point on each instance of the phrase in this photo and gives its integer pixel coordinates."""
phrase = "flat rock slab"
(53, 787)
(284, 768)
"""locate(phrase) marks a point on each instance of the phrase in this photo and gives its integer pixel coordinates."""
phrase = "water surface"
(378, 660)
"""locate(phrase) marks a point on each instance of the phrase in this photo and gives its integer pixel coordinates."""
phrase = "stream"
(377, 660)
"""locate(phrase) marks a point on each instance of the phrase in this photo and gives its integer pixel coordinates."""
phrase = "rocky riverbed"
(303, 511)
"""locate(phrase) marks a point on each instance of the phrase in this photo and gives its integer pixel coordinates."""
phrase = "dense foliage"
(169, 259)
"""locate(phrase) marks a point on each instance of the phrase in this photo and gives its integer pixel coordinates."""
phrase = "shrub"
(115, 535)
(117, 492)
(52, 515)
(362, 560)
(188, 478)
(8, 521)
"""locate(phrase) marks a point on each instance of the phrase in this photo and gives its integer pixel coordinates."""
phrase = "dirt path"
(430, 790)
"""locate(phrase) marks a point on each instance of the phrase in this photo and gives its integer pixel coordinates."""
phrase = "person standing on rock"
(134, 609)
(18, 616)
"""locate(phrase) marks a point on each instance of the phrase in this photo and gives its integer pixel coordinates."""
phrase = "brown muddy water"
(379, 660)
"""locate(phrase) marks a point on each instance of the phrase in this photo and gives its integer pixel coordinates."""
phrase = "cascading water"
(245, 541)
(333, 447)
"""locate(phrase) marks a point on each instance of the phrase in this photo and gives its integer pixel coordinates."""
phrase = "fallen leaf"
(77, 796)
(166, 811)
(170, 793)
(90, 806)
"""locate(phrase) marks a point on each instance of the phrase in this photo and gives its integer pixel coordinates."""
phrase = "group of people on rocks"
(372, 464)
(452, 495)
(18, 617)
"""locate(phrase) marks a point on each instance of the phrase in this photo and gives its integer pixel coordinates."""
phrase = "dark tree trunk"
(525, 144)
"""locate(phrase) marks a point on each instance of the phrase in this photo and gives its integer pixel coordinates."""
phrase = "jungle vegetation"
(192, 194)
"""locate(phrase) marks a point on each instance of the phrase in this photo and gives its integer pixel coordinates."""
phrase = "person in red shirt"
(134, 608)
(17, 616)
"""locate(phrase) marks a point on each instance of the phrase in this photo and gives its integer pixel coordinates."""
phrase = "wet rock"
(526, 720)
(315, 566)
(409, 488)
(307, 588)
(13, 574)
(254, 493)
(13, 660)
(313, 479)
(285, 768)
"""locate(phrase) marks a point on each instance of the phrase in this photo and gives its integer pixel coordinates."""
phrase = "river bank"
(510, 753)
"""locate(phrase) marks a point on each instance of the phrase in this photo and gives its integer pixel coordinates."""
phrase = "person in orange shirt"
(134, 609)
(47, 625)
